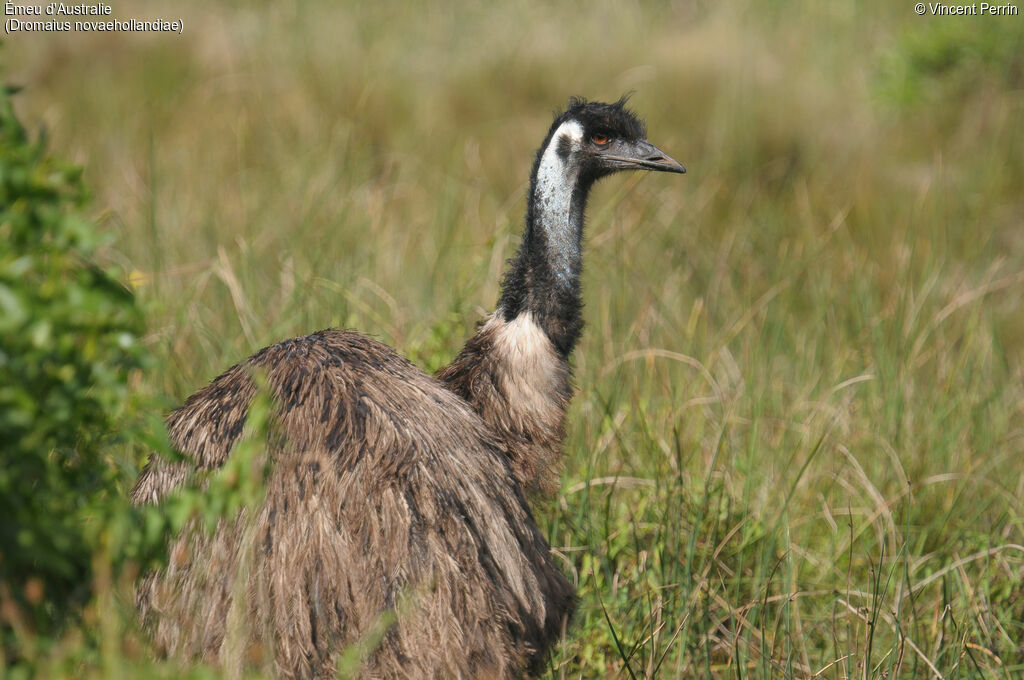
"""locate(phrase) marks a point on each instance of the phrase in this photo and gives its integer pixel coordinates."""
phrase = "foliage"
(69, 351)
(69, 341)
(940, 59)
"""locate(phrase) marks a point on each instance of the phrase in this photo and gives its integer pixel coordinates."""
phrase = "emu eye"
(599, 139)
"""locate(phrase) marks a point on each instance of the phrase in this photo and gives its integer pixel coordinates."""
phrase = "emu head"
(594, 139)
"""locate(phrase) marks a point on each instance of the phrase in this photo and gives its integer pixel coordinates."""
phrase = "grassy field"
(797, 446)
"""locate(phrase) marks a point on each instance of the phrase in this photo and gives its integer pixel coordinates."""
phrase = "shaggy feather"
(401, 491)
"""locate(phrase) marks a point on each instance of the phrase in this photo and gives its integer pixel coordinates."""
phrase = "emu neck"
(515, 370)
(544, 278)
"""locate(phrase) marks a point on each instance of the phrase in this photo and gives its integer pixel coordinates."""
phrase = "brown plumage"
(406, 514)
(391, 490)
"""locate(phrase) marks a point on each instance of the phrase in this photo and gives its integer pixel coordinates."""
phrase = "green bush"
(943, 59)
(69, 341)
(69, 423)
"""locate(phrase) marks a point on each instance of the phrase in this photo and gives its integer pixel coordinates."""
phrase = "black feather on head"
(597, 117)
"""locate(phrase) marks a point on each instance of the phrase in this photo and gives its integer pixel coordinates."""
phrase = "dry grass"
(796, 449)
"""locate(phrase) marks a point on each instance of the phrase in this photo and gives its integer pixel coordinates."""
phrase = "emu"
(392, 490)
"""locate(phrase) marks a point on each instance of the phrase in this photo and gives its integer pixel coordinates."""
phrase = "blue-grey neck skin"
(552, 199)
(544, 278)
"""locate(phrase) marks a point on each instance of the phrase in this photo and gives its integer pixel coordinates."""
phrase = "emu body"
(392, 490)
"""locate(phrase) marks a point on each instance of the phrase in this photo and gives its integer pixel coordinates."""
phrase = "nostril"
(656, 158)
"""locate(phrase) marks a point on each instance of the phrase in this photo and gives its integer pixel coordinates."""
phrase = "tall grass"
(796, 448)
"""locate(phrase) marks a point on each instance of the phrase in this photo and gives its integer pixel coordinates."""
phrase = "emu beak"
(645, 156)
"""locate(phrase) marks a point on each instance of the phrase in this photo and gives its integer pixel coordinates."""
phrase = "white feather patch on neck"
(556, 180)
(532, 368)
